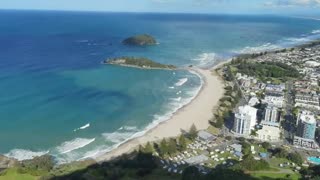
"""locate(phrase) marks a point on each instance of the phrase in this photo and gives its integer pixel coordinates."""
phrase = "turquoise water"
(57, 98)
(314, 160)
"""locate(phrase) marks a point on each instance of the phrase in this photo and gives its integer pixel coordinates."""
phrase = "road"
(289, 119)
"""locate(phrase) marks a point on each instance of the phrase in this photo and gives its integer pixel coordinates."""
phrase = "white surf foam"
(77, 143)
(22, 154)
(284, 43)
(128, 128)
(178, 99)
(181, 82)
(82, 41)
(316, 31)
(82, 127)
(257, 49)
(205, 59)
(117, 137)
(123, 134)
(174, 106)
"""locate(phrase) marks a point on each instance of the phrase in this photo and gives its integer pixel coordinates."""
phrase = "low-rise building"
(206, 136)
(236, 147)
(308, 101)
(269, 133)
(253, 101)
(273, 100)
(197, 159)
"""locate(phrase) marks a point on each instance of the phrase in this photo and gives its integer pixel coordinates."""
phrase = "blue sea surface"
(56, 97)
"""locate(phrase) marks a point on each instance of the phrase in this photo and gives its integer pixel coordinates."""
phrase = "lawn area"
(213, 130)
(293, 176)
(12, 174)
(274, 162)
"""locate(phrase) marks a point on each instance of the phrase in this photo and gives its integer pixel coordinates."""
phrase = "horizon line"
(158, 12)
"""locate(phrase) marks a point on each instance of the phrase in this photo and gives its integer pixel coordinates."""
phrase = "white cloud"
(190, 1)
(162, 1)
(293, 3)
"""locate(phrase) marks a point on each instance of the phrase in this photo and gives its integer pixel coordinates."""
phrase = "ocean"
(56, 97)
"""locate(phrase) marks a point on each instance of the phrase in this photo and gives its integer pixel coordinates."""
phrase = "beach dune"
(197, 112)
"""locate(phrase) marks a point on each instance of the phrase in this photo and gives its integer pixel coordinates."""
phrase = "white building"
(253, 101)
(276, 101)
(312, 63)
(269, 133)
(275, 88)
(245, 120)
(271, 117)
(307, 101)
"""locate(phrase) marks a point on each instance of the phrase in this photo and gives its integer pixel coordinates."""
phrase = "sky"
(308, 7)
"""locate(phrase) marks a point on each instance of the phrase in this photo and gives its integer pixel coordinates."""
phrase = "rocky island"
(138, 62)
(140, 40)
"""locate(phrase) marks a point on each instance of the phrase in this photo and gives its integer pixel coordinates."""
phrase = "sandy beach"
(197, 112)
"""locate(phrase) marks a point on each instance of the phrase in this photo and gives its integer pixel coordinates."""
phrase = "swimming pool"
(314, 160)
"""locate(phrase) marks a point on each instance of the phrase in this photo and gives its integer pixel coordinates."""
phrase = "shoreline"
(198, 111)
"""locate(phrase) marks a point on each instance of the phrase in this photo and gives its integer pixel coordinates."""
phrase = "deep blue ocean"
(56, 97)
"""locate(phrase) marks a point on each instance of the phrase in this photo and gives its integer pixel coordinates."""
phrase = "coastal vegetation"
(138, 62)
(265, 70)
(140, 40)
(230, 99)
(144, 163)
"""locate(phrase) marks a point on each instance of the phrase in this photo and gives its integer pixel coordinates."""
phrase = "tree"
(182, 143)
(228, 138)
(246, 148)
(266, 145)
(37, 165)
(280, 153)
(163, 148)
(219, 122)
(193, 132)
(253, 133)
(249, 163)
(295, 157)
(172, 146)
(191, 173)
(148, 149)
(242, 139)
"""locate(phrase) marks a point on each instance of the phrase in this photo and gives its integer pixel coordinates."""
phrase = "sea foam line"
(181, 82)
(23, 154)
(77, 143)
(82, 127)
(284, 43)
(206, 59)
(120, 138)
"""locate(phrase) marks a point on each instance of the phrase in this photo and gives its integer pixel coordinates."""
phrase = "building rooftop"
(307, 117)
(236, 147)
(204, 135)
(197, 159)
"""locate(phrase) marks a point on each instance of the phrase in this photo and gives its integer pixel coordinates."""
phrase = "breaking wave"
(284, 43)
(22, 154)
(316, 31)
(206, 59)
(77, 143)
(82, 127)
(181, 81)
